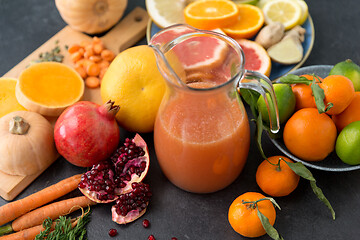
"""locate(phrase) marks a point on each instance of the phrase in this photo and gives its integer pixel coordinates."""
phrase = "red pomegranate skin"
(87, 133)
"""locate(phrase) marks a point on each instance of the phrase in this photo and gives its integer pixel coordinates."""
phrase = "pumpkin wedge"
(48, 88)
(8, 101)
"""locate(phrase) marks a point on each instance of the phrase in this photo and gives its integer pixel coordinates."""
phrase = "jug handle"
(252, 80)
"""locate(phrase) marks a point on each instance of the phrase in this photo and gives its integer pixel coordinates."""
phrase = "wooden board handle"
(128, 31)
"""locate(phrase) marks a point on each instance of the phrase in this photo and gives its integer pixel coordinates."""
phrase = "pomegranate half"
(132, 205)
(115, 175)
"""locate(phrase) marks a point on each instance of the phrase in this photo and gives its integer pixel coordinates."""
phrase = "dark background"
(27, 24)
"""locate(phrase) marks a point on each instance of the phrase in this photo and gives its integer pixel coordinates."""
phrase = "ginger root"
(270, 34)
(297, 32)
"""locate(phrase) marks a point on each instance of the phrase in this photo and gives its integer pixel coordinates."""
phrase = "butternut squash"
(91, 16)
(48, 88)
(8, 101)
(26, 143)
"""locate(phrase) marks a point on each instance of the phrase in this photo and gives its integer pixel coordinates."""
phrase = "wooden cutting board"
(125, 34)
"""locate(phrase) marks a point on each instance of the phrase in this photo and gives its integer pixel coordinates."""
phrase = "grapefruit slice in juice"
(256, 57)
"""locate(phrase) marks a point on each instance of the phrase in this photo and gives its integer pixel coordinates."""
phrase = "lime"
(348, 69)
(347, 144)
(285, 100)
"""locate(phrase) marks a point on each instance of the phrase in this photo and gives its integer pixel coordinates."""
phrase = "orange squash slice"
(8, 101)
(49, 87)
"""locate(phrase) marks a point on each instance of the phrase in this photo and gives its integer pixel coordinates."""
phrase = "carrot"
(76, 56)
(104, 64)
(95, 58)
(98, 48)
(27, 234)
(31, 233)
(92, 82)
(93, 69)
(81, 71)
(74, 48)
(89, 51)
(107, 55)
(17, 208)
(53, 211)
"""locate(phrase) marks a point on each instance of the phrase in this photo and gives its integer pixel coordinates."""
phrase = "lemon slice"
(304, 12)
(165, 13)
(288, 12)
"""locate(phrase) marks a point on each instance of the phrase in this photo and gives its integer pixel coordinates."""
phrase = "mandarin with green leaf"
(243, 214)
(275, 177)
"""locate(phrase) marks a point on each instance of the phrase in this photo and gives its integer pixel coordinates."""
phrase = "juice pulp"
(202, 140)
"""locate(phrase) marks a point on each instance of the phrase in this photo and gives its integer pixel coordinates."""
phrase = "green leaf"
(303, 172)
(294, 79)
(319, 96)
(273, 202)
(318, 192)
(259, 130)
(270, 230)
(63, 229)
(251, 97)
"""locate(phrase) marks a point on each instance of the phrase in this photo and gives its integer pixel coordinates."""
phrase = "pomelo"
(256, 57)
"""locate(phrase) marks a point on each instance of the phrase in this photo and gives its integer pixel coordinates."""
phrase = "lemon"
(347, 144)
(165, 13)
(288, 12)
(134, 82)
(304, 11)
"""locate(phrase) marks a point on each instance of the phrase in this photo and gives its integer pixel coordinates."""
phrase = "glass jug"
(201, 131)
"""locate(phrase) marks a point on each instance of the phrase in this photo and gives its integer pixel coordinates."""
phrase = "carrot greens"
(64, 228)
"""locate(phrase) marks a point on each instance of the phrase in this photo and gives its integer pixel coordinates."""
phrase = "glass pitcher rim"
(240, 73)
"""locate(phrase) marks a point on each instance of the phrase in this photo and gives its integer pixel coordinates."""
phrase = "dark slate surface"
(26, 24)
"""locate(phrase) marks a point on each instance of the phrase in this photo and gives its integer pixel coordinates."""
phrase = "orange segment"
(211, 14)
(249, 22)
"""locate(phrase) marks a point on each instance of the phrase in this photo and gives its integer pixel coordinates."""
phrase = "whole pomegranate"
(87, 133)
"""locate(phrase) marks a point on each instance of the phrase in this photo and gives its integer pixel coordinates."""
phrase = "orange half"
(249, 22)
(211, 14)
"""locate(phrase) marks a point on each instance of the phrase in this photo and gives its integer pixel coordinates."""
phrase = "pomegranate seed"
(146, 223)
(112, 232)
(151, 237)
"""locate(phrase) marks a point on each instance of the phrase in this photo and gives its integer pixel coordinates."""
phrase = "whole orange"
(275, 177)
(338, 90)
(310, 135)
(303, 93)
(243, 216)
(349, 115)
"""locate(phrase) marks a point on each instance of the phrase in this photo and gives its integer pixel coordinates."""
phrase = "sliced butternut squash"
(49, 87)
(8, 101)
